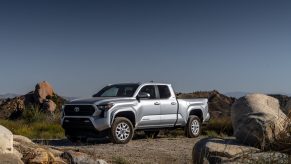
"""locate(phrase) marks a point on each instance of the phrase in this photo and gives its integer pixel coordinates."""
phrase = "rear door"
(169, 106)
(149, 109)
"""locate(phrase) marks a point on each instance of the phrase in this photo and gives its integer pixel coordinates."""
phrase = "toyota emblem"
(76, 109)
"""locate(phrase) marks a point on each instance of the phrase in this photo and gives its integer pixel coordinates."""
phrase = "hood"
(98, 100)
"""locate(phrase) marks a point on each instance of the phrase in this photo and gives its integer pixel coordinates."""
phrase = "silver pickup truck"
(120, 109)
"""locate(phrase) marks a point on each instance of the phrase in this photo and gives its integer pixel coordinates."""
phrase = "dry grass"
(35, 124)
(218, 127)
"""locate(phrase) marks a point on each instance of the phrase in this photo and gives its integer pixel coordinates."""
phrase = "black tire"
(193, 127)
(121, 130)
(152, 133)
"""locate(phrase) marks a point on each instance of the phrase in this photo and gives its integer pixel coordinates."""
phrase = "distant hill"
(8, 95)
(236, 94)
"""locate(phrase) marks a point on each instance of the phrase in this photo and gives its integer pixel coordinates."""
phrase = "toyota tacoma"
(119, 110)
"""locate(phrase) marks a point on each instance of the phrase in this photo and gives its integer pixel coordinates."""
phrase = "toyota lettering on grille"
(76, 109)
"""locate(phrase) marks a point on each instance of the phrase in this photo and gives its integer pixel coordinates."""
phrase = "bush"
(221, 126)
(32, 114)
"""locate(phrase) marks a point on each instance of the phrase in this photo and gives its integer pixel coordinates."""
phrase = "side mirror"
(143, 95)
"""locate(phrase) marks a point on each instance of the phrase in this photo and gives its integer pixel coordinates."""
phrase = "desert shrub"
(32, 113)
(221, 126)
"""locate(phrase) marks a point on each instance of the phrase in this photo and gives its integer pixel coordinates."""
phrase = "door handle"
(173, 103)
(157, 103)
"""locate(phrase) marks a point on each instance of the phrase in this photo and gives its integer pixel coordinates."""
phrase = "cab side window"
(150, 89)
(164, 91)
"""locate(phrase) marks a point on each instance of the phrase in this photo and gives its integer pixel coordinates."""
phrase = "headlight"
(105, 106)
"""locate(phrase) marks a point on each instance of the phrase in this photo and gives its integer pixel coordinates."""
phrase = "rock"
(10, 159)
(283, 101)
(49, 106)
(42, 90)
(36, 154)
(263, 157)
(21, 139)
(11, 108)
(41, 157)
(216, 150)
(257, 120)
(17, 153)
(79, 157)
(6, 140)
(288, 107)
(55, 152)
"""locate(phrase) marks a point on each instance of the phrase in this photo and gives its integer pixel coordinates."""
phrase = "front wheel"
(121, 130)
(193, 127)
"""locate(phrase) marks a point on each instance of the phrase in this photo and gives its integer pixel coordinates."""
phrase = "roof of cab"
(146, 83)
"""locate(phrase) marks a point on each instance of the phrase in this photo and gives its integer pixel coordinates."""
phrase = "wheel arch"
(196, 112)
(127, 114)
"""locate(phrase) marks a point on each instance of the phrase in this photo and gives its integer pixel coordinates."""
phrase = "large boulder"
(10, 159)
(215, 150)
(6, 140)
(42, 91)
(258, 120)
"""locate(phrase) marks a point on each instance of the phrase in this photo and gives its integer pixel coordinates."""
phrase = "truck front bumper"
(84, 123)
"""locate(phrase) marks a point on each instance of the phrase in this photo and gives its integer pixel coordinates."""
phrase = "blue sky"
(80, 46)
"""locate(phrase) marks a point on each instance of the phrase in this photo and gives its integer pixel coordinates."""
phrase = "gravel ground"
(161, 150)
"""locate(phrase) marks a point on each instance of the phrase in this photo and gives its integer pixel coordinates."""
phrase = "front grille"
(77, 123)
(79, 110)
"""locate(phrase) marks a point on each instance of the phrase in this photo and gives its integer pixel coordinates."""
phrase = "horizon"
(234, 46)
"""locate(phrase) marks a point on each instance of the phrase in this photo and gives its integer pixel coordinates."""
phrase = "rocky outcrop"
(6, 140)
(219, 104)
(258, 120)
(215, 150)
(12, 107)
(19, 149)
(42, 90)
(259, 125)
(43, 97)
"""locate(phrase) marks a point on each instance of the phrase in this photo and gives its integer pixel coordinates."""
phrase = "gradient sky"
(80, 46)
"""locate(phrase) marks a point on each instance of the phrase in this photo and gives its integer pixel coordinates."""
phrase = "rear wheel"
(121, 130)
(193, 127)
(152, 133)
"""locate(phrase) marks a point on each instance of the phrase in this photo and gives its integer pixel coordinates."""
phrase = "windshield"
(118, 90)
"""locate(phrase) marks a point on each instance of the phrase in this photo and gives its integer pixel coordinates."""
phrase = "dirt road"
(161, 150)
